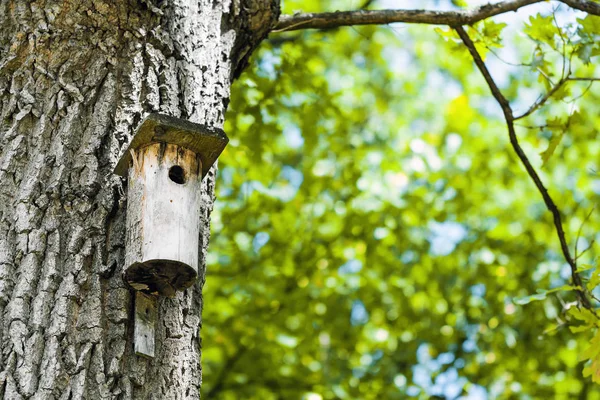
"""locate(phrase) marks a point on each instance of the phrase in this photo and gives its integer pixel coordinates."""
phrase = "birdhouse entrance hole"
(177, 174)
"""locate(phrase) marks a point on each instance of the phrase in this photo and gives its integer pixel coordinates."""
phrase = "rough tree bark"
(76, 77)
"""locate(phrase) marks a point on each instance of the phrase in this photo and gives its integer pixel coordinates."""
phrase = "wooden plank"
(207, 142)
(144, 324)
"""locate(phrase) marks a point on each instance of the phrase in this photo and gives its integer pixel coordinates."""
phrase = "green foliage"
(375, 237)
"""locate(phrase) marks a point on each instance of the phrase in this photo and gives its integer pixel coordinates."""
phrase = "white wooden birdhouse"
(164, 165)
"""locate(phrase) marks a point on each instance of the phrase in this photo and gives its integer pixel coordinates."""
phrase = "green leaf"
(528, 299)
(542, 29)
(580, 328)
(549, 152)
(584, 315)
(585, 267)
(492, 30)
(592, 353)
(594, 280)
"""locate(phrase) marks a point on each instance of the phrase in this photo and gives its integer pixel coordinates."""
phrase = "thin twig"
(574, 99)
(495, 54)
(550, 204)
(564, 45)
(582, 78)
(586, 249)
(579, 235)
(539, 127)
(545, 75)
(543, 99)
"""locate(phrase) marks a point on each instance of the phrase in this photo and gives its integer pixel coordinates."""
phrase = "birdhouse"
(164, 165)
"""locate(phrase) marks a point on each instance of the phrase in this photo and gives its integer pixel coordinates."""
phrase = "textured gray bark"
(76, 77)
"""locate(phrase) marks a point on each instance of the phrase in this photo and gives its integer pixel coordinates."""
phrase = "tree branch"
(510, 119)
(336, 19)
(583, 5)
(380, 17)
(276, 41)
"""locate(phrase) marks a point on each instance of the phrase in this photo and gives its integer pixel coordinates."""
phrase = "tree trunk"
(76, 78)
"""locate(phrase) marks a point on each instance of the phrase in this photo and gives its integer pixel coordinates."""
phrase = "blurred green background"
(375, 236)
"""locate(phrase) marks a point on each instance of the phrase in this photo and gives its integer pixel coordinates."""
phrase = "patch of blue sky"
(409, 256)
(358, 372)
(224, 259)
(469, 346)
(267, 117)
(324, 167)
(293, 136)
(453, 142)
(247, 188)
(359, 314)
(400, 381)
(282, 191)
(295, 99)
(436, 5)
(359, 60)
(565, 275)
(595, 186)
(377, 355)
(260, 240)
(446, 358)
(478, 290)
(546, 268)
(475, 392)
(350, 267)
(422, 376)
(226, 175)
(442, 83)
(381, 233)
(399, 60)
(340, 82)
(292, 175)
(374, 187)
(423, 354)
(269, 61)
(448, 384)
(366, 205)
(444, 236)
